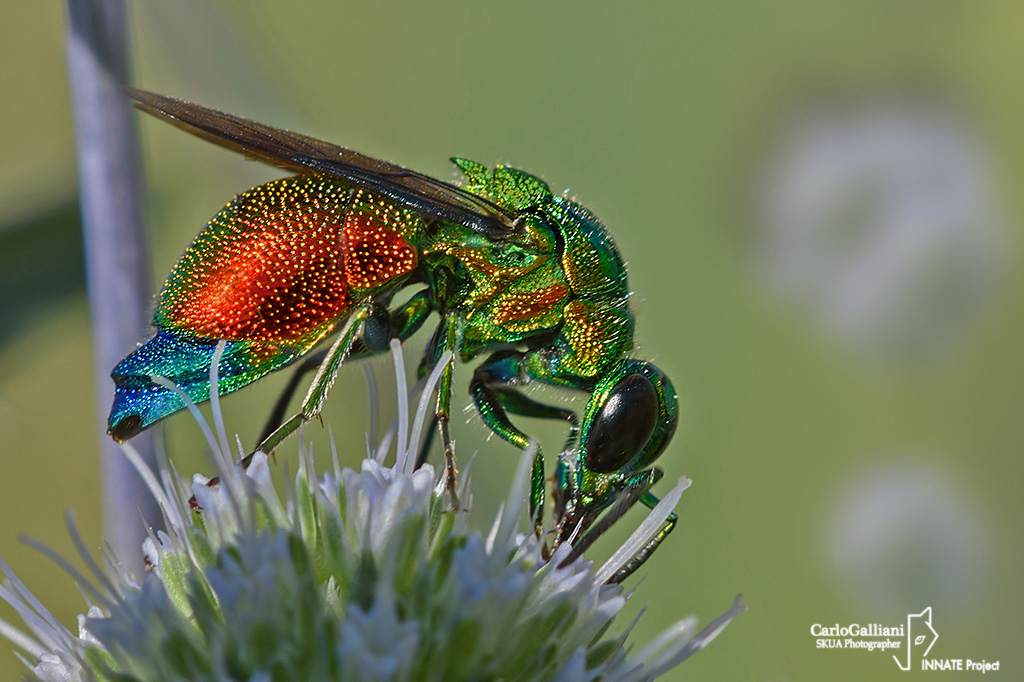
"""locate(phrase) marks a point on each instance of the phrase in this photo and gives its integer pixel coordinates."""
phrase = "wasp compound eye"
(623, 426)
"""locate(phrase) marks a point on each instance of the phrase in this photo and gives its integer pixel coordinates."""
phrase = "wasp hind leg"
(378, 329)
(277, 414)
(325, 374)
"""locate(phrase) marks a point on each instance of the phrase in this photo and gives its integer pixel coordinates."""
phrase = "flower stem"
(109, 179)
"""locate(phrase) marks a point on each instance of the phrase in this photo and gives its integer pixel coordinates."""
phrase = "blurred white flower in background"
(364, 575)
(904, 536)
(879, 218)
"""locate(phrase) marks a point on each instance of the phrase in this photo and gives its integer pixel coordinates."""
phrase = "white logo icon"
(919, 631)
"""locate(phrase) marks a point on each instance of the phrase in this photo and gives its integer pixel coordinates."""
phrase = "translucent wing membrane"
(302, 153)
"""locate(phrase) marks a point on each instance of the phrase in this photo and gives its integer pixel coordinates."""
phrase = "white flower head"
(362, 575)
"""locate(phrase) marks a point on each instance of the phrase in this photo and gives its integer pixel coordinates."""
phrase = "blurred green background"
(838, 476)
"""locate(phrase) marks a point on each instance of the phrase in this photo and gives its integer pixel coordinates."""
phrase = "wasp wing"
(303, 153)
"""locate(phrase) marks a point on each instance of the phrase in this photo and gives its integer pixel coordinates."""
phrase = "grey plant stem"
(109, 183)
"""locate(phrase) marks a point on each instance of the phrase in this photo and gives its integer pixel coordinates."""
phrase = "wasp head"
(629, 420)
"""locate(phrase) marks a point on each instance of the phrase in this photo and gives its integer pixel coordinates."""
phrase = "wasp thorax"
(623, 426)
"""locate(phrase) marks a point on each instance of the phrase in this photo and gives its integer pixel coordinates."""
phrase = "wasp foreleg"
(632, 489)
(495, 396)
(644, 553)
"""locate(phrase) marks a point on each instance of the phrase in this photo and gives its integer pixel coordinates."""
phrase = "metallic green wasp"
(530, 281)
